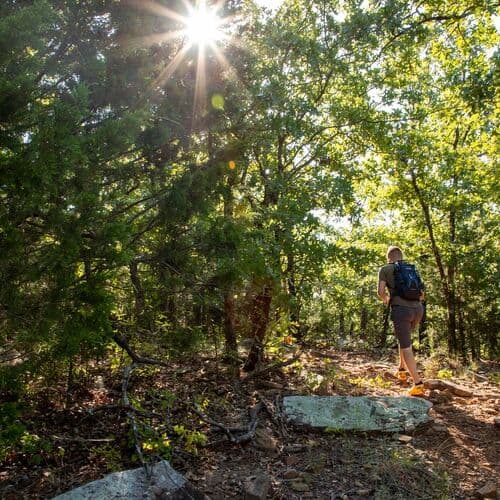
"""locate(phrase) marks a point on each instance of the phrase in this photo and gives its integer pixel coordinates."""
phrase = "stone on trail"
(450, 386)
(489, 490)
(357, 413)
(257, 487)
(265, 441)
(299, 486)
(133, 484)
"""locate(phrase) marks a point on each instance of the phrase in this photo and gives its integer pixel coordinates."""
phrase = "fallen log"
(450, 386)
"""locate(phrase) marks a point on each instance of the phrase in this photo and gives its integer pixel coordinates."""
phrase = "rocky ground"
(456, 456)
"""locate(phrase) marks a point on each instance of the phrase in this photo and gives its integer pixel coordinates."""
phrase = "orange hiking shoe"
(417, 390)
(401, 375)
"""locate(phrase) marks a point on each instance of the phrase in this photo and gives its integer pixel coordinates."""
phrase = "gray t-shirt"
(386, 274)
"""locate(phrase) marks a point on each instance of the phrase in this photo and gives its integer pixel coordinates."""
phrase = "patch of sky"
(377, 99)
(332, 221)
(269, 5)
(496, 22)
(339, 15)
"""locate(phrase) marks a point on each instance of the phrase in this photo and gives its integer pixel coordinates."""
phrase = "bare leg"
(402, 365)
(409, 361)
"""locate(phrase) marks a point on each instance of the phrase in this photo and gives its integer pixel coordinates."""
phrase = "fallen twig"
(124, 407)
(270, 368)
(123, 343)
(274, 412)
(82, 440)
(246, 433)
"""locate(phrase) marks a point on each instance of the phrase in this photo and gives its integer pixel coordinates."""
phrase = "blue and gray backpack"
(407, 281)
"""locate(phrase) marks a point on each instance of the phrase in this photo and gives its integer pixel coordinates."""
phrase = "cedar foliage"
(125, 208)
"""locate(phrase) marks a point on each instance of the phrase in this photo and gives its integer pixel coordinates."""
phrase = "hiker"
(406, 313)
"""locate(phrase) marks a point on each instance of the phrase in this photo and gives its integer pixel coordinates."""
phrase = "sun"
(203, 26)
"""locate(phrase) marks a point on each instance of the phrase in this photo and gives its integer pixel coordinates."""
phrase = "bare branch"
(123, 343)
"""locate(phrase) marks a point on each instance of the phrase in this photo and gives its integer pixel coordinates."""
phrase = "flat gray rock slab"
(357, 413)
(133, 484)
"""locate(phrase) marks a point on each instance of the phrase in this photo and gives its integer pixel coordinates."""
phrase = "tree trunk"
(385, 327)
(294, 327)
(169, 307)
(137, 287)
(231, 347)
(461, 330)
(342, 322)
(363, 316)
(260, 319)
(445, 284)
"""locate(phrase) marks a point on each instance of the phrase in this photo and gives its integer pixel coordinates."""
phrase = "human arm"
(382, 292)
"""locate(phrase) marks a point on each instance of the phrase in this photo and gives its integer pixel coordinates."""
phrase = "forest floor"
(454, 457)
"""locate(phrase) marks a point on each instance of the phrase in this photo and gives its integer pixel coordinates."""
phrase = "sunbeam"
(200, 26)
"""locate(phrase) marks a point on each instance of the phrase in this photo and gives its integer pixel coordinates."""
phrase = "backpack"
(407, 281)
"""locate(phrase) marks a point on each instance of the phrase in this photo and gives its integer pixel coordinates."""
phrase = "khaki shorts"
(405, 319)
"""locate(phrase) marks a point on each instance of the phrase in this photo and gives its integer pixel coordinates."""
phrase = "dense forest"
(178, 180)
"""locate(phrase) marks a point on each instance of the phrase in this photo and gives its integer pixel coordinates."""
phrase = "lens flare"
(203, 26)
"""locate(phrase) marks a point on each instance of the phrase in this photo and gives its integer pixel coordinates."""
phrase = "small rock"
(404, 438)
(291, 474)
(439, 428)
(156, 490)
(363, 492)
(496, 422)
(299, 486)
(438, 397)
(265, 441)
(99, 383)
(445, 408)
(291, 460)
(489, 490)
(257, 487)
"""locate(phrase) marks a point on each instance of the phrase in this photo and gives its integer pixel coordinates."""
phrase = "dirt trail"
(452, 458)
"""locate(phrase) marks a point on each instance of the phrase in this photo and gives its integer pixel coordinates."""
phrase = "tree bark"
(445, 284)
(137, 287)
(294, 327)
(231, 348)
(259, 318)
(229, 326)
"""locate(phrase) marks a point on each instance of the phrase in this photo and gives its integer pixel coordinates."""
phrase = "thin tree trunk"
(461, 330)
(231, 347)
(260, 320)
(447, 292)
(294, 327)
(363, 316)
(137, 287)
(342, 322)
(385, 327)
